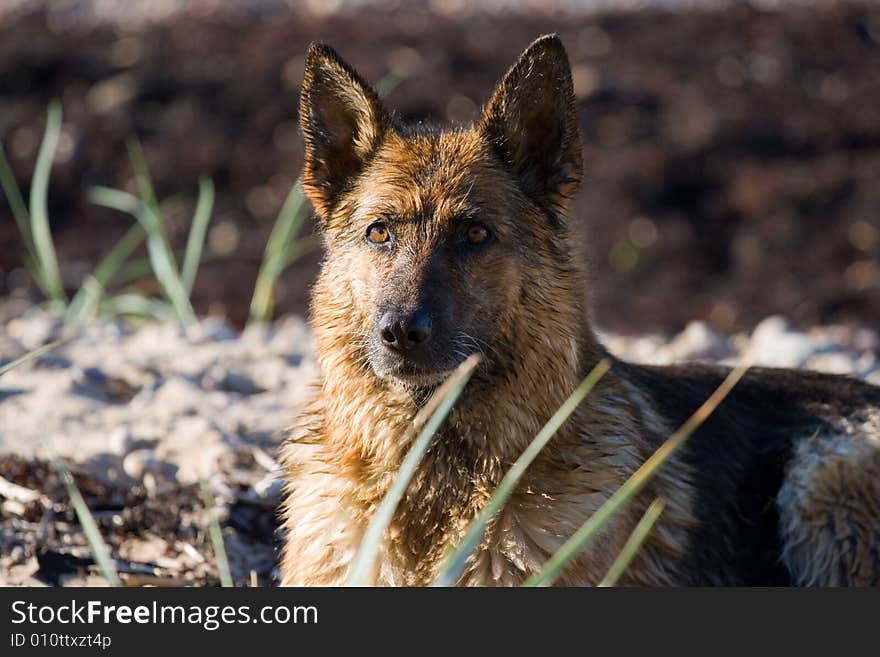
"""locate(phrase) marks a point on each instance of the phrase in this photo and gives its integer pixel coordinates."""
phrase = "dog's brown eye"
(477, 234)
(378, 234)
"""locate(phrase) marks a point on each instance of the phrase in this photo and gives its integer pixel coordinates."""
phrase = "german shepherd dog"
(441, 243)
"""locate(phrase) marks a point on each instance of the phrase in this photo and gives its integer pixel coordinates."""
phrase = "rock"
(699, 342)
(221, 378)
(194, 446)
(775, 344)
(141, 462)
(34, 329)
(833, 363)
(121, 441)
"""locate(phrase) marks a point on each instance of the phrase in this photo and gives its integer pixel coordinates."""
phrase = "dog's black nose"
(404, 332)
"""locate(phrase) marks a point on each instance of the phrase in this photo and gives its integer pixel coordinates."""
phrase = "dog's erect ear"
(342, 121)
(531, 122)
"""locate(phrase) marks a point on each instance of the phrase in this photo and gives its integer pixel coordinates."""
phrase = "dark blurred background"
(732, 150)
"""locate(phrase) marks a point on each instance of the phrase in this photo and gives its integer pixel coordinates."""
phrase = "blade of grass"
(275, 257)
(86, 299)
(196, 238)
(141, 172)
(164, 267)
(141, 268)
(23, 219)
(16, 201)
(137, 305)
(39, 213)
(161, 258)
(573, 546)
(84, 305)
(216, 536)
(456, 561)
(100, 552)
(387, 84)
(432, 415)
(301, 247)
(115, 199)
(634, 543)
(158, 248)
(36, 353)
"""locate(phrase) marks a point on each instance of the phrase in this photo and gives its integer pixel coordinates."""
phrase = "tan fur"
(520, 303)
(830, 506)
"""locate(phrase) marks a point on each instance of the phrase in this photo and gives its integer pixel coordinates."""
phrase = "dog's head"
(442, 243)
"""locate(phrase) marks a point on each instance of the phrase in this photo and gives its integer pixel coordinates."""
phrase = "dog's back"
(786, 474)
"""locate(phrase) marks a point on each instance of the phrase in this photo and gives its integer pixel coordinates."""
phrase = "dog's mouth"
(413, 376)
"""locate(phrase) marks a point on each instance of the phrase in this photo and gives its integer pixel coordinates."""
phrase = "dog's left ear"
(531, 122)
(342, 121)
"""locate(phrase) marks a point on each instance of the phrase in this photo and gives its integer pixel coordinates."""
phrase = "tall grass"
(31, 355)
(40, 231)
(100, 551)
(196, 238)
(216, 534)
(89, 300)
(634, 543)
(282, 249)
(33, 222)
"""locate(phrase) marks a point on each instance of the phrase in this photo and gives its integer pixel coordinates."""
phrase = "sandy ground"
(144, 414)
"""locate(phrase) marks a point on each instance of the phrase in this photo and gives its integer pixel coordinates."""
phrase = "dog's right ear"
(531, 122)
(342, 121)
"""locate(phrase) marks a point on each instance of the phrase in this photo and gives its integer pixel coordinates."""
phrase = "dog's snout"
(405, 331)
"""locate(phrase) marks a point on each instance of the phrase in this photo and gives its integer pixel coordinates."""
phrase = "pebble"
(775, 344)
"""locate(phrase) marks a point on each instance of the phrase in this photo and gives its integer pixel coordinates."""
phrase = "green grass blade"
(115, 199)
(162, 260)
(301, 247)
(36, 353)
(141, 172)
(216, 536)
(387, 84)
(634, 543)
(276, 258)
(196, 239)
(39, 213)
(84, 303)
(137, 305)
(16, 201)
(571, 548)
(158, 248)
(432, 415)
(100, 552)
(161, 257)
(23, 219)
(456, 561)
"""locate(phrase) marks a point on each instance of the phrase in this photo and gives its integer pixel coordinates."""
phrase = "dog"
(442, 243)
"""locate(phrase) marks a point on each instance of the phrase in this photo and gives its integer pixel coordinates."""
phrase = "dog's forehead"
(443, 175)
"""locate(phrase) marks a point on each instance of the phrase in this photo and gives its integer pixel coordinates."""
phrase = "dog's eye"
(477, 233)
(378, 233)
